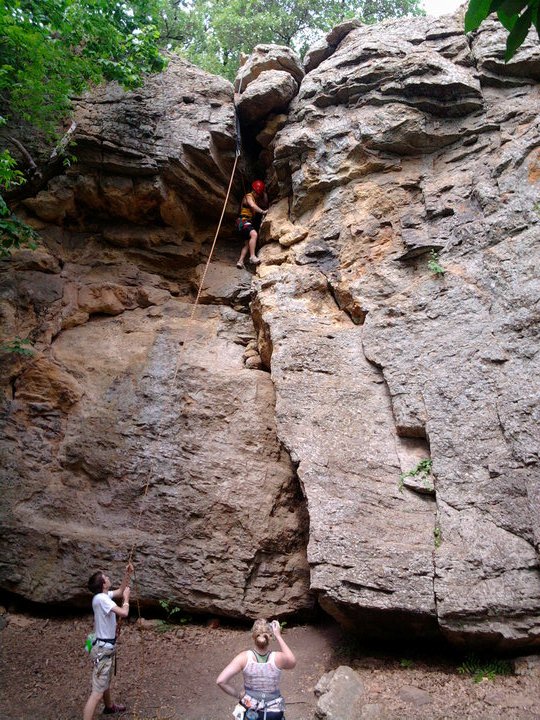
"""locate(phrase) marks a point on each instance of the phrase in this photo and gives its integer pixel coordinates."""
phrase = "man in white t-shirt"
(103, 650)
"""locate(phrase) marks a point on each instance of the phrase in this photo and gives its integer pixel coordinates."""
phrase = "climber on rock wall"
(253, 208)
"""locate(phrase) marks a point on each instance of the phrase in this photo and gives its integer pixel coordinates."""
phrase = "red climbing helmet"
(258, 186)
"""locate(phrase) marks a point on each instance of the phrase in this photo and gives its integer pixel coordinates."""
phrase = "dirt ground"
(169, 674)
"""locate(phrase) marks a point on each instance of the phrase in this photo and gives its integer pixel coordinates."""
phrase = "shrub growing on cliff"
(53, 49)
(13, 233)
(434, 265)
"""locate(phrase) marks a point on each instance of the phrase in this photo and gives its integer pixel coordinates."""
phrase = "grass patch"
(484, 668)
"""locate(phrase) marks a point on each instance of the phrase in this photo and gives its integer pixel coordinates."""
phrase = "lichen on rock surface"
(254, 455)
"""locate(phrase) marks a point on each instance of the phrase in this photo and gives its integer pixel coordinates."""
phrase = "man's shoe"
(240, 265)
(114, 709)
(254, 260)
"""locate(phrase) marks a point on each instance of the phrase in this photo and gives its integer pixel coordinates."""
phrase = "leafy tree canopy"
(53, 49)
(213, 33)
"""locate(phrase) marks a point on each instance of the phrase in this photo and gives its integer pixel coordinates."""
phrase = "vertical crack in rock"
(290, 514)
(370, 546)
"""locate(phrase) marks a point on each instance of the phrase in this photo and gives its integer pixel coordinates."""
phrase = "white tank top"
(261, 677)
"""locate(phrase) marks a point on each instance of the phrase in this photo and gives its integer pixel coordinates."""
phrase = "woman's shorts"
(244, 227)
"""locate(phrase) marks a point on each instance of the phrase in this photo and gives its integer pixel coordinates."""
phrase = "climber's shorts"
(244, 228)
(102, 656)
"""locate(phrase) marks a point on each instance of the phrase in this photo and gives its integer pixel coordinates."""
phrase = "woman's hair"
(261, 627)
(95, 584)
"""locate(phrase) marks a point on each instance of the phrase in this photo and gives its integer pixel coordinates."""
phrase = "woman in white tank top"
(260, 698)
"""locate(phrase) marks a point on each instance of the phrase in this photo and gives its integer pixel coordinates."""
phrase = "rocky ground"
(168, 673)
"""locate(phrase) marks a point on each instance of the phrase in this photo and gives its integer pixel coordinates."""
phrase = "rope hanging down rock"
(201, 285)
(149, 477)
(236, 158)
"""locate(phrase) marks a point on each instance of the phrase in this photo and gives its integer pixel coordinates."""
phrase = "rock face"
(378, 405)
(160, 156)
(399, 143)
(120, 435)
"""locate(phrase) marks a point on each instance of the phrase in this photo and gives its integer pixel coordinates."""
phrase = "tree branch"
(24, 152)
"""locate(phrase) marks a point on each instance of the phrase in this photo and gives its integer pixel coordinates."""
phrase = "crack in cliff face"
(317, 353)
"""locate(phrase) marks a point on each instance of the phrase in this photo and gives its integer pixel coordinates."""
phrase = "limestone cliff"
(255, 457)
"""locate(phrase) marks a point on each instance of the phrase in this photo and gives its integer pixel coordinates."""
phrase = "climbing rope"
(215, 238)
(237, 155)
(150, 473)
(201, 285)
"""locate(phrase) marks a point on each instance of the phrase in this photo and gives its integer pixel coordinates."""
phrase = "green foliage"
(18, 346)
(9, 176)
(516, 16)
(484, 668)
(213, 33)
(422, 469)
(406, 663)
(53, 49)
(434, 264)
(50, 50)
(172, 616)
(14, 234)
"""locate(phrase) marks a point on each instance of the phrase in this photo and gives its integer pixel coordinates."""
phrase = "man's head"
(98, 582)
(258, 186)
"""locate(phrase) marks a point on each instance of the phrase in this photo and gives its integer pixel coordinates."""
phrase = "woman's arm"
(253, 205)
(285, 659)
(232, 669)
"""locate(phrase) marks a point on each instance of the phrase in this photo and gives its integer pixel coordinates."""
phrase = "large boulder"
(271, 92)
(268, 57)
(326, 46)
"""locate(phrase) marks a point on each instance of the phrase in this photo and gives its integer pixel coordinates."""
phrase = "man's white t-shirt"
(104, 617)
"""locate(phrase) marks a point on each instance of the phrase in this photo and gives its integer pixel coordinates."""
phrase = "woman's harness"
(255, 702)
